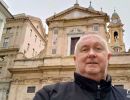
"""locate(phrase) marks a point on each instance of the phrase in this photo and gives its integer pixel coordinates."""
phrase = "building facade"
(23, 37)
(4, 13)
(56, 64)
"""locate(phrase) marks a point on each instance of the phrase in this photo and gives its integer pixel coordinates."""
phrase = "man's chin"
(93, 71)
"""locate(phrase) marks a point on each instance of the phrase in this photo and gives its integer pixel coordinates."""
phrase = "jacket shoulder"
(57, 86)
(47, 91)
(120, 92)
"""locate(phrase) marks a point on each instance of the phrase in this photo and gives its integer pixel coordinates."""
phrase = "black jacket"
(81, 89)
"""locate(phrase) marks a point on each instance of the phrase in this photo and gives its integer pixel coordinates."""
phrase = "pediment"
(75, 12)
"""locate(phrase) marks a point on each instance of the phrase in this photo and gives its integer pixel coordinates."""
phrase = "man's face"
(91, 57)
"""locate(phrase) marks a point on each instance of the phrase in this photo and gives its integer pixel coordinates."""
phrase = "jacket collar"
(92, 85)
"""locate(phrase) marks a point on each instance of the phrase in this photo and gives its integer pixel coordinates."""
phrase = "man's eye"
(98, 48)
(84, 49)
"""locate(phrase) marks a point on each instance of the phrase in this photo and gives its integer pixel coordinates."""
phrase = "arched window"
(115, 35)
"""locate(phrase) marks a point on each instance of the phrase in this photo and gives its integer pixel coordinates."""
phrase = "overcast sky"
(46, 8)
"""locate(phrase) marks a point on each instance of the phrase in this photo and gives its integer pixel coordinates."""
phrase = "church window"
(55, 35)
(31, 89)
(54, 41)
(5, 43)
(96, 27)
(54, 51)
(8, 30)
(73, 43)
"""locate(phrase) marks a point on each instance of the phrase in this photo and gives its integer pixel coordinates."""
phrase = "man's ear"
(74, 58)
(109, 55)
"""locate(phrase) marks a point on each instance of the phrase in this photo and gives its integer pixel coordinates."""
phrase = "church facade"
(55, 63)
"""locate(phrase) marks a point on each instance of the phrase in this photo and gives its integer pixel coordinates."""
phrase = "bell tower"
(116, 34)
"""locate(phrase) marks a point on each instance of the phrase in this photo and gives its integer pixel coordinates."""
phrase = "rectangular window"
(53, 51)
(5, 43)
(8, 30)
(31, 89)
(119, 86)
(54, 41)
(73, 43)
(96, 27)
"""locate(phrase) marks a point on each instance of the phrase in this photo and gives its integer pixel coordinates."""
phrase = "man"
(91, 80)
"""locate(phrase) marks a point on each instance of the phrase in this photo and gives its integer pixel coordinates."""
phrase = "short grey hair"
(94, 35)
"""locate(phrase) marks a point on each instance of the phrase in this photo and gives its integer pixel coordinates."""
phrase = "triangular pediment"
(75, 12)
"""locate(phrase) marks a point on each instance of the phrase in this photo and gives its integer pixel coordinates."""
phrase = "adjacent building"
(4, 13)
(23, 37)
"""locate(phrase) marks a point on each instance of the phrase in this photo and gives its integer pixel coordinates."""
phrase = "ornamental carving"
(75, 31)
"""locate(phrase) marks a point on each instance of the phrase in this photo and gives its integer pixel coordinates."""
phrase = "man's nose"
(92, 53)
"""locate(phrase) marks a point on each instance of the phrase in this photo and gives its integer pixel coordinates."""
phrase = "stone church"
(27, 73)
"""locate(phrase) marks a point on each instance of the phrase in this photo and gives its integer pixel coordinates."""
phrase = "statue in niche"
(116, 36)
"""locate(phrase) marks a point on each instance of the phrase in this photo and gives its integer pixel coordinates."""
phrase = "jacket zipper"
(98, 95)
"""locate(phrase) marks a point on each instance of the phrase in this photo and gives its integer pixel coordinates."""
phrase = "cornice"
(3, 50)
(40, 69)
(23, 70)
(115, 25)
(29, 59)
(80, 18)
(57, 67)
(16, 19)
(121, 54)
(119, 66)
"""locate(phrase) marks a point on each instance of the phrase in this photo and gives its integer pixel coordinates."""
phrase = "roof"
(79, 8)
(115, 15)
(5, 11)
